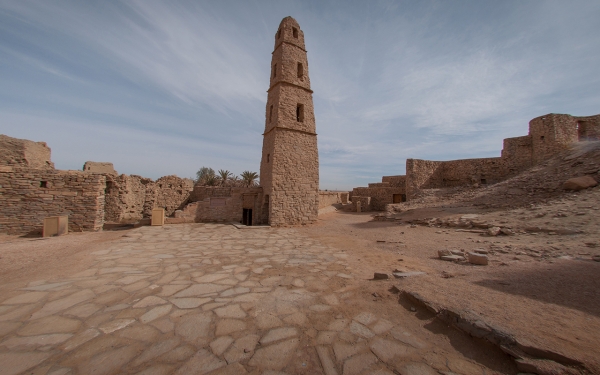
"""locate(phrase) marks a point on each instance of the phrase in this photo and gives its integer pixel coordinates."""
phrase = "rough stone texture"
(365, 203)
(548, 136)
(480, 259)
(223, 204)
(579, 183)
(24, 153)
(99, 167)
(328, 198)
(28, 195)
(130, 198)
(289, 171)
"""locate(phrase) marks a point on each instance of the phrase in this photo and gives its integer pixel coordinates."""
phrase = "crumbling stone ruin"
(98, 167)
(289, 193)
(32, 189)
(289, 169)
(548, 136)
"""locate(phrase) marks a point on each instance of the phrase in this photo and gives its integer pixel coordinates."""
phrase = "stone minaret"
(289, 169)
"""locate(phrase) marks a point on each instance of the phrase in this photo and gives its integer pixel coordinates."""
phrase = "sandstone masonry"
(289, 170)
(548, 135)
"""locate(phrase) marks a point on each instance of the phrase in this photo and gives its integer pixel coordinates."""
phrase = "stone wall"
(365, 204)
(99, 167)
(421, 174)
(223, 204)
(328, 198)
(29, 195)
(588, 128)
(518, 152)
(380, 196)
(551, 134)
(24, 153)
(394, 181)
(131, 198)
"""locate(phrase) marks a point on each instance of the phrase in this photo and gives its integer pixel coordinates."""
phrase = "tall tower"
(289, 169)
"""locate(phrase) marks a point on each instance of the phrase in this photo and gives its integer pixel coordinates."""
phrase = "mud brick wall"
(551, 134)
(380, 196)
(365, 204)
(130, 198)
(395, 181)
(421, 174)
(125, 197)
(216, 204)
(472, 171)
(328, 198)
(24, 153)
(28, 195)
(588, 128)
(518, 152)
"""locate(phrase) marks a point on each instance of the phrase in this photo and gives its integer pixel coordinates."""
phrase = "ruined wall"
(472, 171)
(551, 134)
(365, 204)
(421, 174)
(125, 197)
(224, 204)
(518, 152)
(328, 198)
(380, 196)
(588, 128)
(395, 181)
(29, 195)
(130, 198)
(24, 153)
(99, 167)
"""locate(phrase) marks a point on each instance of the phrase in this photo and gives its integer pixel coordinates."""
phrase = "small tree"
(206, 176)
(249, 178)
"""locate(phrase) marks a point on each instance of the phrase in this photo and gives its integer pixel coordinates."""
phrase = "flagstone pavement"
(207, 298)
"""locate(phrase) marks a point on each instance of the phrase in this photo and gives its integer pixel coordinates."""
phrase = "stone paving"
(206, 298)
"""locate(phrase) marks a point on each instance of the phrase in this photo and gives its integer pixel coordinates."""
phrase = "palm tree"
(224, 175)
(249, 178)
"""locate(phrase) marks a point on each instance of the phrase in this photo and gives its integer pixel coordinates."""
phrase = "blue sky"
(166, 87)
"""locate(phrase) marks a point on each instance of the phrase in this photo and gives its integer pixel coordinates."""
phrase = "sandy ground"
(541, 287)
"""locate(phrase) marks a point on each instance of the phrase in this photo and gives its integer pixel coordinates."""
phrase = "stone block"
(158, 216)
(480, 259)
(55, 226)
(579, 183)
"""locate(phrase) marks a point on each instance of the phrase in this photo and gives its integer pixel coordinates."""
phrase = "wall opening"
(279, 34)
(295, 32)
(109, 186)
(247, 216)
(300, 70)
(542, 137)
(44, 184)
(270, 113)
(483, 181)
(300, 113)
(265, 210)
(274, 70)
(398, 198)
(268, 158)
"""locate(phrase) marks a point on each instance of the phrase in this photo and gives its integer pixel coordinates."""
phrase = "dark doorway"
(247, 216)
(399, 198)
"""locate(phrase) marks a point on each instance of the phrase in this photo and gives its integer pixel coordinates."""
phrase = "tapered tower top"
(289, 32)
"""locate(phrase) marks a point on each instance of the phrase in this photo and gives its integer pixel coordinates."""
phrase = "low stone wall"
(224, 204)
(395, 181)
(29, 195)
(380, 196)
(130, 198)
(328, 198)
(365, 204)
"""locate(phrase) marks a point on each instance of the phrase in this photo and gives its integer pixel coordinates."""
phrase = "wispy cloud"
(392, 79)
